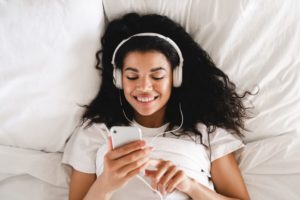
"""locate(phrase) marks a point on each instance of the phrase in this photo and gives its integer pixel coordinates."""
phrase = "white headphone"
(177, 72)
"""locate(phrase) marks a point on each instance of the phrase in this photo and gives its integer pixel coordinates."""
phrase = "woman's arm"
(227, 179)
(80, 184)
(86, 186)
(120, 166)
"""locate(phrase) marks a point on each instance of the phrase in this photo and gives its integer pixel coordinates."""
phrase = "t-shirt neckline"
(150, 131)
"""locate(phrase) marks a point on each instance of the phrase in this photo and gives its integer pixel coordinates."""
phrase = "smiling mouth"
(145, 99)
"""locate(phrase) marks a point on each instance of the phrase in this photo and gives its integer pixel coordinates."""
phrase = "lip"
(145, 97)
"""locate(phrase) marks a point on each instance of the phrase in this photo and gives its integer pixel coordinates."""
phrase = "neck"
(154, 121)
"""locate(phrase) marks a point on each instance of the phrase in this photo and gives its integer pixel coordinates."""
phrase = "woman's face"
(147, 82)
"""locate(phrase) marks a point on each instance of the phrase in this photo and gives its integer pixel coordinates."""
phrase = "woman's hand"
(122, 164)
(168, 177)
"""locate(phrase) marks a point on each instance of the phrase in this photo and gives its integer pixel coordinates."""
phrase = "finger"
(136, 171)
(176, 180)
(151, 174)
(154, 165)
(126, 149)
(155, 162)
(162, 168)
(164, 181)
(109, 144)
(133, 158)
(132, 166)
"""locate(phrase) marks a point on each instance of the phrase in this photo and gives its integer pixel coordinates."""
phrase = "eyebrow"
(152, 70)
(157, 69)
(131, 69)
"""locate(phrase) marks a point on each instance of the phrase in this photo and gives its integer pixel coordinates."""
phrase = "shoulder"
(96, 132)
(223, 136)
(219, 134)
(81, 149)
(220, 142)
(223, 143)
(87, 138)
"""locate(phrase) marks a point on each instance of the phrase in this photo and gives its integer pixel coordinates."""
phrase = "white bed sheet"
(271, 167)
(31, 174)
(47, 67)
(26, 187)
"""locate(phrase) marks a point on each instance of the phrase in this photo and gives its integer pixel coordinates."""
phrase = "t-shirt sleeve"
(222, 143)
(81, 149)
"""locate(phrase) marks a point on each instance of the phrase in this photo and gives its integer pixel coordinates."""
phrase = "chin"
(146, 113)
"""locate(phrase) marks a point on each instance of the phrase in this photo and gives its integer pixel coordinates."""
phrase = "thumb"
(109, 144)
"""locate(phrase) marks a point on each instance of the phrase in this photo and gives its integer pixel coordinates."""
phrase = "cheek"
(127, 90)
(166, 87)
(127, 85)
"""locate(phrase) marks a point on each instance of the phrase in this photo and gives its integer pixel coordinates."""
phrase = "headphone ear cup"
(177, 76)
(117, 78)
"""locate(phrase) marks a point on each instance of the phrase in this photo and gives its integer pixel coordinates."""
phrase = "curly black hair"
(206, 94)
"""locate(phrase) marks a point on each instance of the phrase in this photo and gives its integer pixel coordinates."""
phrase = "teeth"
(143, 99)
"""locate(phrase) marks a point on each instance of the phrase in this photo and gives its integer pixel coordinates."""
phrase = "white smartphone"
(121, 135)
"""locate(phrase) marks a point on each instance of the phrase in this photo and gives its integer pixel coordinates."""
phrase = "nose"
(145, 83)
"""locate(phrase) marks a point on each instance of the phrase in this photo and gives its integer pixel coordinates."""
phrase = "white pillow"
(47, 57)
(255, 42)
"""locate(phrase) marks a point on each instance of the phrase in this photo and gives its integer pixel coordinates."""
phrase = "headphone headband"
(170, 41)
(177, 76)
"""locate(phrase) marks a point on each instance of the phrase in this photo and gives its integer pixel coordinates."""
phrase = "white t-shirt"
(86, 149)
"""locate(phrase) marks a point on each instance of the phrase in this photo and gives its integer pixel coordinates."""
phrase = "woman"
(155, 77)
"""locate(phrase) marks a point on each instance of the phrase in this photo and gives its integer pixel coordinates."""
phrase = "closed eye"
(158, 78)
(132, 78)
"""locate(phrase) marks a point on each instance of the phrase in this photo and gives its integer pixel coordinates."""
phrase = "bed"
(47, 58)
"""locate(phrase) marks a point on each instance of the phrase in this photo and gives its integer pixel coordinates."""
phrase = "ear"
(177, 76)
(117, 75)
